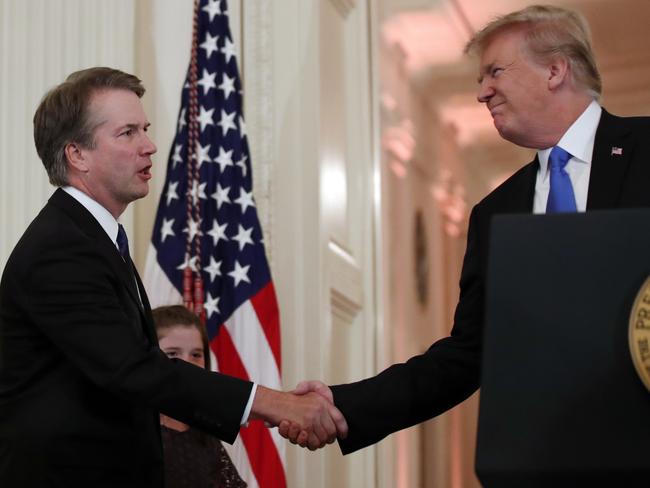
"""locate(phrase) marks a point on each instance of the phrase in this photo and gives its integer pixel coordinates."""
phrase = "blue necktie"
(560, 195)
(123, 246)
(122, 243)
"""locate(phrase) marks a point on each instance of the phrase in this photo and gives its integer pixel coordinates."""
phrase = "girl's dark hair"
(178, 316)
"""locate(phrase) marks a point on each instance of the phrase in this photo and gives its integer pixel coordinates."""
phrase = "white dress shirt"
(111, 226)
(578, 140)
(103, 216)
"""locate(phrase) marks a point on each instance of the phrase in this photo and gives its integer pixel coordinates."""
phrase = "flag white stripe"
(280, 445)
(249, 339)
(160, 290)
(239, 456)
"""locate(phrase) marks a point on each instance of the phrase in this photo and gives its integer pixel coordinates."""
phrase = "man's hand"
(294, 432)
(315, 419)
(317, 387)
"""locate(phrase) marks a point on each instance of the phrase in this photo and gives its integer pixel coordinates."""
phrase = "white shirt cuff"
(249, 405)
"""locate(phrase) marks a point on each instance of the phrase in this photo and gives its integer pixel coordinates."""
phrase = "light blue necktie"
(560, 195)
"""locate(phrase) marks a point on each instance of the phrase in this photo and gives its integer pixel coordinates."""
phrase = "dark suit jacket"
(82, 379)
(449, 371)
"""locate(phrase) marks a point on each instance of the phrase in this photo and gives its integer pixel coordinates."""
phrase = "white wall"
(41, 42)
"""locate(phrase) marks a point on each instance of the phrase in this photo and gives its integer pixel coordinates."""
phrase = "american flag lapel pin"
(617, 151)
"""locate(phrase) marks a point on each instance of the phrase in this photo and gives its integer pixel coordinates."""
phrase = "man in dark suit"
(82, 380)
(539, 80)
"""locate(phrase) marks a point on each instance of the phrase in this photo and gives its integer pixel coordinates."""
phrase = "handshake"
(306, 416)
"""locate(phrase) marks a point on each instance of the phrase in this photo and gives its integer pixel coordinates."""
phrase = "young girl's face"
(184, 343)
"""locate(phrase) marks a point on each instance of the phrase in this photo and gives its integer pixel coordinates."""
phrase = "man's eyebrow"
(132, 125)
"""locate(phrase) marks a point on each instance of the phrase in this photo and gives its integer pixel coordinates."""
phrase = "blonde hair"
(550, 32)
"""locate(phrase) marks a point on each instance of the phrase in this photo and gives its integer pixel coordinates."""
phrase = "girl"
(192, 458)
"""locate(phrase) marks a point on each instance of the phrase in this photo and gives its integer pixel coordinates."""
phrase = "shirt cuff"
(249, 405)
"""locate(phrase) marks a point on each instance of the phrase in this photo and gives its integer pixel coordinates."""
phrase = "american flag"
(207, 221)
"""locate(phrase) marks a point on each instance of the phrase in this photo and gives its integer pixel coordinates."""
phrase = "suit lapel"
(613, 149)
(124, 270)
(84, 219)
(149, 327)
(126, 273)
(524, 197)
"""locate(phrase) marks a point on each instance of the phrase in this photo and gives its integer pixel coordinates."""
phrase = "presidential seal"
(639, 333)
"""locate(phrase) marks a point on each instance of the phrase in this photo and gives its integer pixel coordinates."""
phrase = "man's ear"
(75, 156)
(558, 73)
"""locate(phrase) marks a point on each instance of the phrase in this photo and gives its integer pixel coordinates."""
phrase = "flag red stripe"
(227, 355)
(262, 453)
(266, 307)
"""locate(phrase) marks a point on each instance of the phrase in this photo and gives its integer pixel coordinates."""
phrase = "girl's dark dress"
(196, 460)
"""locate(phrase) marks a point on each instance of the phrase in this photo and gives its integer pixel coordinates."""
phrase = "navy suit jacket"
(449, 371)
(82, 380)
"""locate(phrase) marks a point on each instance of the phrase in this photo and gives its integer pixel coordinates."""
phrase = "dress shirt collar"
(578, 140)
(103, 216)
